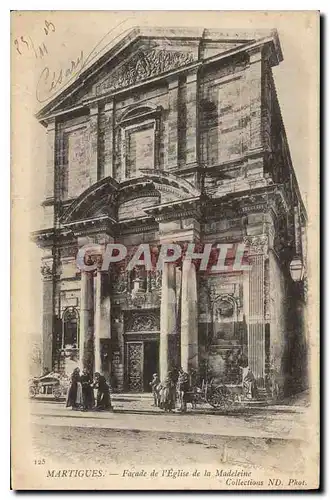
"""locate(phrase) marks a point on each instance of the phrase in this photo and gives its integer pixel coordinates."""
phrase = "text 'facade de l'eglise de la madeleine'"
(174, 135)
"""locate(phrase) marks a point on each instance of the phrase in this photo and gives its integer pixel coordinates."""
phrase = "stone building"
(174, 135)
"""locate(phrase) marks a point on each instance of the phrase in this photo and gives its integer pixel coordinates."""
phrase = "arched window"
(70, 327)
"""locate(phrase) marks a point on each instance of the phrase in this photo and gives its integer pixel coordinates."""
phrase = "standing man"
(183, 388)
(154, 387)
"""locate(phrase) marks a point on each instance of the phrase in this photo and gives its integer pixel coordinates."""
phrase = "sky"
(52, 39)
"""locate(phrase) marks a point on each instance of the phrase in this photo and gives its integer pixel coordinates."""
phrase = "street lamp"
(297, 269)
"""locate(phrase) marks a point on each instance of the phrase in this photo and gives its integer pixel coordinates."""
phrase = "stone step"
(262, 394)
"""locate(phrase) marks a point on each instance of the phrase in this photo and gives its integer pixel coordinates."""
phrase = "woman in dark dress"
(74, 397)
(103, 401)
(87, 390)
(167, 393)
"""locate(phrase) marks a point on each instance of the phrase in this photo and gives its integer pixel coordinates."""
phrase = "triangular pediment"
(143, 60)
(145, 54)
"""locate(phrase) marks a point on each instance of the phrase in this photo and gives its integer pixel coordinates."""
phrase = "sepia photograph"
(165, 303)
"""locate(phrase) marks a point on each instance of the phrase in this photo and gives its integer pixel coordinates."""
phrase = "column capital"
(51, 124)
(258, 245)
(46, 270)
(109, 106)
(192, 76)
(93, 110)
(98, 261)
(173, 82)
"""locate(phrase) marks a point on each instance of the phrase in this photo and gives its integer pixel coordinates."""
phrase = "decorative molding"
(257, 244)
(178, 209)
(143, 65)
(69, 251)
(46, 271)
(142, 321)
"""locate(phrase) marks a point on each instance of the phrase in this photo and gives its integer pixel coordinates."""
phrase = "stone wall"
(224, 114)
(73, 156)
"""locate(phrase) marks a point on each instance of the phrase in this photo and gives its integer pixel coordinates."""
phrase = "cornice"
(91, 226)
(136, 225)
(178, 209)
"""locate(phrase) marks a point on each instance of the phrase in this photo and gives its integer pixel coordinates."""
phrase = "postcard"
(165, 306)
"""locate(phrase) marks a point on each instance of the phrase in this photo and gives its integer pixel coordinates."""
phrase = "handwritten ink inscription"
(25, 44)
(51, 81)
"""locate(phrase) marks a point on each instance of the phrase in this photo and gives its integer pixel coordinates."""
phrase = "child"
(155, 391)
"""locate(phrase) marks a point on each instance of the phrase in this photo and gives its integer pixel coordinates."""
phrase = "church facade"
(174, 136)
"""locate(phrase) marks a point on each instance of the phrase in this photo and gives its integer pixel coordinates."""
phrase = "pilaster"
(50, 165)
(258, 246)
(192, 128)
(172, 124)
(94, 131)
(109, 111)
(48, 316)
(253, 80)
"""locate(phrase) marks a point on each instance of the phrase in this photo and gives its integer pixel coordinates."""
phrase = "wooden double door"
(142, 361)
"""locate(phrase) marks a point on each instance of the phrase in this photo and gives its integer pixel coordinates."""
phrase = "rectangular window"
(73, 160)
(139, 145)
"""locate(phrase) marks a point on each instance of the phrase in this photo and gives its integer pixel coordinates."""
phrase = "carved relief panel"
(144, 64)
(142, 321)
(136, 288)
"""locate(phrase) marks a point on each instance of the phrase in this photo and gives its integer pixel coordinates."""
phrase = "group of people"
(81, 392)
(175, 387)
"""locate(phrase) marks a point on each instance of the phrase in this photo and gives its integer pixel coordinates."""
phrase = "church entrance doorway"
(141, 363)
(141, 349)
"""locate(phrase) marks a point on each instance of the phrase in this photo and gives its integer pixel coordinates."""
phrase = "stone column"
(108, 138)
(86, 321)
(97, 320)
(189, 318)
(168, 321)
(47, 315)
(192, 129)
(172, 124)
(94, 131)
(102, 321)
(256, 320)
